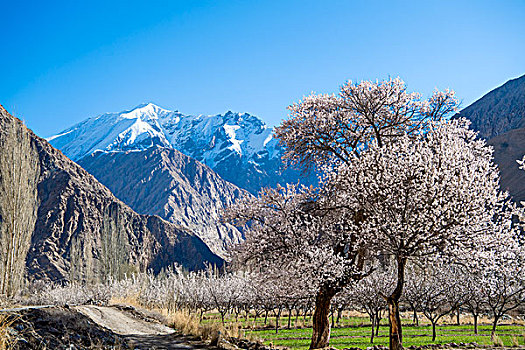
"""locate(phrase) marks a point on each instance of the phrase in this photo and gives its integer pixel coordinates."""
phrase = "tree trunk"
(339, 313)
(277, 317)
(457, 317)
(494, 325)
(396, 333)
(475, 323)
(266, 317)
(434, 331)
(321, 320)
(415, 319)
(378, 321)
(289, 318)
(373, 329)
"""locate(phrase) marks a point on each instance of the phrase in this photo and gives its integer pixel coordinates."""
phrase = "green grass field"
(355, 332)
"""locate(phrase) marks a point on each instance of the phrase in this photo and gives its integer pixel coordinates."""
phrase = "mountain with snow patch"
(79, 221)
(238, 146)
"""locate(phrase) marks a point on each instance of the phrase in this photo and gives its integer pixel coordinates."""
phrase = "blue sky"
(65, 61)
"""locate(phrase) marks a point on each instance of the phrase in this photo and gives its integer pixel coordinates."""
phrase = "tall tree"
(326, 132)
(432, 193)
(326, 128)
(292, 238)
(19, 173)
(114, 244)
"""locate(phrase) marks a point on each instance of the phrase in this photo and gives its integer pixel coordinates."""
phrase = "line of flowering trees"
(253, 297)
(399, 184)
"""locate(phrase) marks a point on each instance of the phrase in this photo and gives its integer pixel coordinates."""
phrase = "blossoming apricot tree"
(398, 182)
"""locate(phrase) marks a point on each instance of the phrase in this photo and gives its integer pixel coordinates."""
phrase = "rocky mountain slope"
(499, 117)
(509, 147)
(82, 231)
(238, 146)
(499, 111)
(165, 182)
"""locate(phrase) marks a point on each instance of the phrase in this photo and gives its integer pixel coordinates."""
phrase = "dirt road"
(121, 322)
(140, 333)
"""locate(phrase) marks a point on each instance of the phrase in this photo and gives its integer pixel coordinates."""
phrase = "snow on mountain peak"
(206, 138)
(145, 111)
(238, 146)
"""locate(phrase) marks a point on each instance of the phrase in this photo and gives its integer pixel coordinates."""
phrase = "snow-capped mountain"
(238, 146)
(77, 217)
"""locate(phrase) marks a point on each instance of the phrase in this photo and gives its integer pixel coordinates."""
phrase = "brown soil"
(60, 328)
(93, 327)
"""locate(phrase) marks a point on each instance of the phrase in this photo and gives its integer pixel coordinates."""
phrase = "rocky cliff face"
(83, 231)
(499, 111)
(509, 147)
(499, 117)
(165, 182)
(238, 146)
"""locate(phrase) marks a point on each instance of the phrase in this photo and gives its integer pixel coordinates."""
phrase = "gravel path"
(139, 333)
(121, 322)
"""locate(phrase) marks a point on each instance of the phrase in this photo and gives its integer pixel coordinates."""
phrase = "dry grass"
(468, 319)
(8, 338)
(211, 331)
(188, 323)
(355, 313)
(183, 321)
(131, 300)
(300, 323)
(519, 321)
(496, 340)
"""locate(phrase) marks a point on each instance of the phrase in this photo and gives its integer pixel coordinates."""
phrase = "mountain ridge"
(499, 117)
(238, 146)
(498, 111)
(164, 182)
(78, 219)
